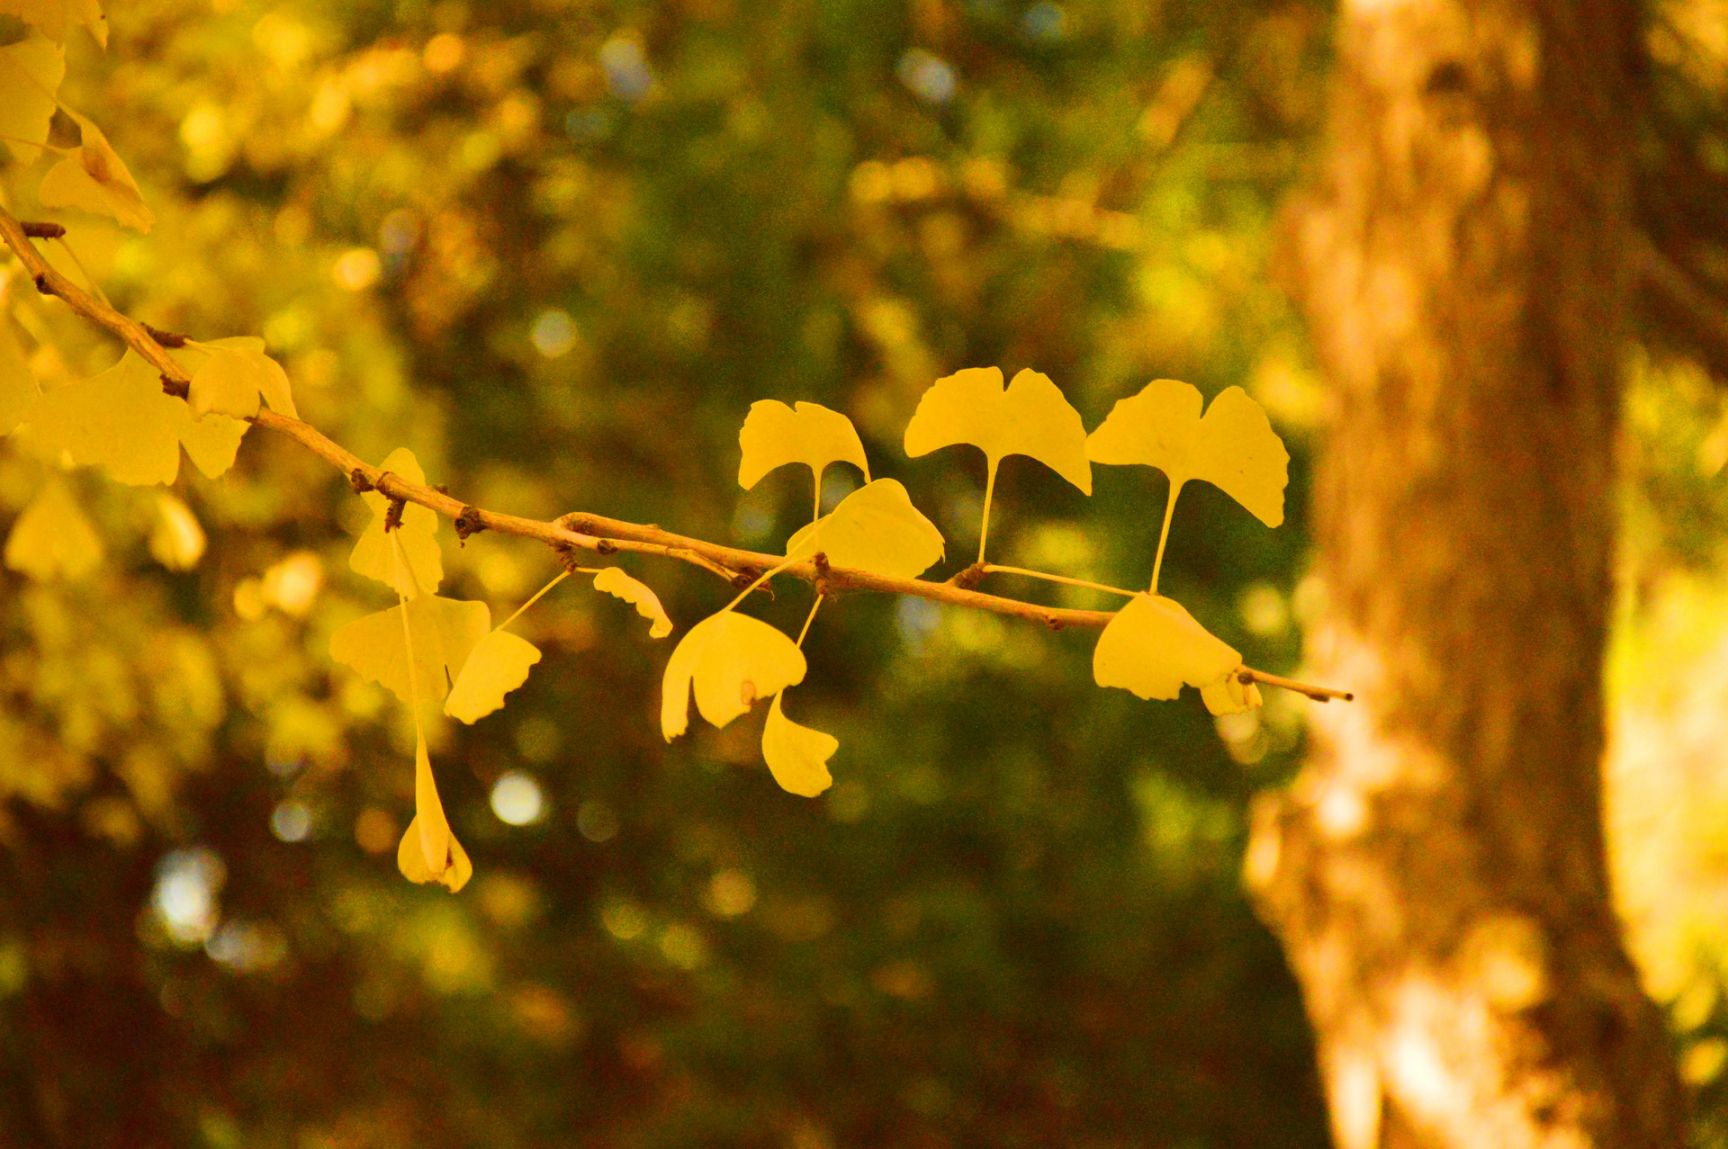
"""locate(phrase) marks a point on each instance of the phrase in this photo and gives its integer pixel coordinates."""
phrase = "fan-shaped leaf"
(1232, 447)
(797, 755)
(875, 528)
(445, 631)
(94, 179)
(775, 435)
(497, 665)
(730, 660)
(1030, 417)
(429, 852)
(53, 538)
(418, 533)
(1153, 646)
(30, 74)
(234, 375)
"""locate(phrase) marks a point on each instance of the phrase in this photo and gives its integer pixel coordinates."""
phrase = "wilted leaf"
(445, 631)
(875, 528)
(775, 435)
(1153, 646)
(429, 852)
(234, 375)
(53, 538)
(374, 555)
(1233, 447)
(30, 74)
(797, 755)
(94, 179)
(122, 422)
(1030, 417)
(613, 581)
(731, 660)
(497, 665)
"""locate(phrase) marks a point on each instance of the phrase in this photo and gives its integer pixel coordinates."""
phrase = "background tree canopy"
(558, 248)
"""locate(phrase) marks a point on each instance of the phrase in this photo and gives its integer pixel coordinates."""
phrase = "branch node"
(41, 282)
(358, 480)
(468, 523)
(170, 339)
(393, 515)
(175, 387)
(1054, 623)
(42, 229)
(969, 578)
(606, 547)
(567, 557)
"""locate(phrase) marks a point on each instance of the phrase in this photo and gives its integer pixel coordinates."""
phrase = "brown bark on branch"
(591, 532)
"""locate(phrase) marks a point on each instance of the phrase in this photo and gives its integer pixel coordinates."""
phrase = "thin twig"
(587, 531)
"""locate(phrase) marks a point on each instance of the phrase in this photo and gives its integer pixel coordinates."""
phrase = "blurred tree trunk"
(1437, 873)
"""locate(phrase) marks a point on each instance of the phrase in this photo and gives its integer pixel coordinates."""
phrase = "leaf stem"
(1164, 535)
(810, 618)
(997, 568)
(802, 553)
(538, 595)
(817, 513)
(989, 493)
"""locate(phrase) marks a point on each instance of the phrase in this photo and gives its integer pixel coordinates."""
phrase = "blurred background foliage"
(557, 248)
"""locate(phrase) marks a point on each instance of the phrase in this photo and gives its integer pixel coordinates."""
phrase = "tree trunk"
(1437, 872)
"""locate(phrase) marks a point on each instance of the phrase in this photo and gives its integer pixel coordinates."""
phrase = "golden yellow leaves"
(30, 74)
(52, 538)
(728, 661)
(498, 664)
(875, 528)
(797, 756)
(1153, 647)
(613, 581)
(420, 566)
(234, 375)
(122, 422)
(809, 433)
(429, 852)
(94, 179)
(422, 663)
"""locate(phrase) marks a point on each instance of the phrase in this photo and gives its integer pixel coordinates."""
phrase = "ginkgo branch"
(591, 532)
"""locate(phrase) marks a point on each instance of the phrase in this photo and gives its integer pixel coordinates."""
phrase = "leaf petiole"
(810, 618)
(538, 595)
(1164, 534)
(995, 568)
(989, 493)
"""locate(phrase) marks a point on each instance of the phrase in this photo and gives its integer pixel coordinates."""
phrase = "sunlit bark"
(1437, 871)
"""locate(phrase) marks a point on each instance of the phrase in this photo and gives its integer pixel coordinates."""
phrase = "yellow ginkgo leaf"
(1230, 695)
(497, 665)
(429, 852)
(122, 422)
(18, 388)
(176, 539)
(445, 631)
(53, 539)
(374, 555)
(1030, 417)
(30, 74)
(57, 17)
(875, 528)
(1153, 646)
(775, 435)
(731, 660)
(1233, 447)
(797, 756)
(232, 376)
(94, 179)
(613, 581)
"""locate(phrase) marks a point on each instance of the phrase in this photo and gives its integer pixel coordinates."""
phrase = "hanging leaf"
(1030, 418)
(30, 74)
(1153, 647)
(1230, 695)
(55, 18)
(731, 660)
(613, 581)
(234, 374)
(176, 539)
(445, 631)
(498, 664)
(122, 422)
(1233, 447)
(53, 539)
(775, 435)
(797, 756)
(429, 852)
(94, 179)
(374, 555)
(875, 528)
